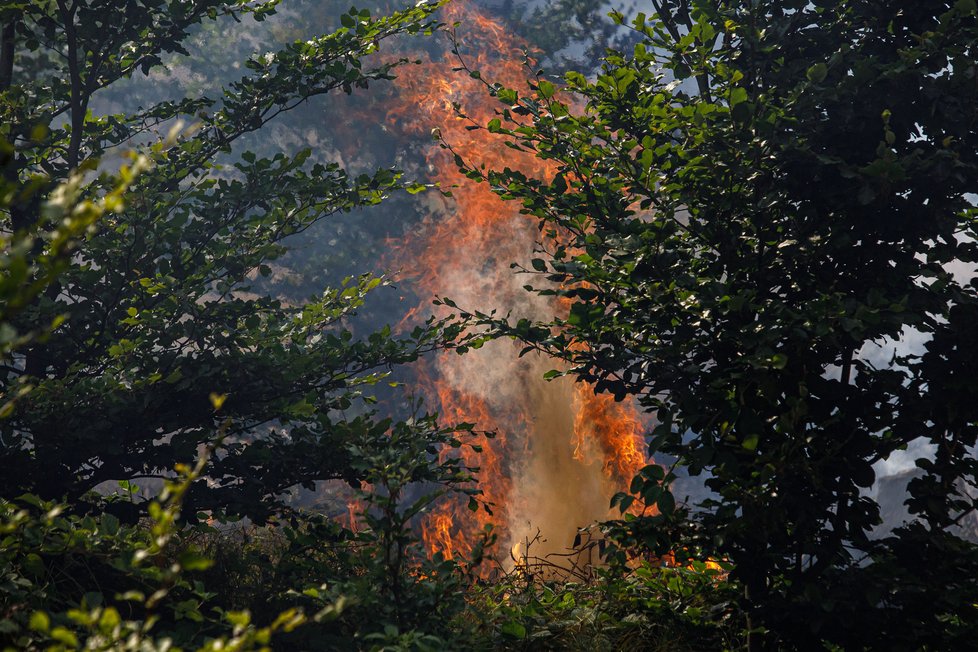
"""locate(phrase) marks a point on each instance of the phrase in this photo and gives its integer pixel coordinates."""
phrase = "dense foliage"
(156, 308)
(761, 226)
(763, 223)
(132, 346)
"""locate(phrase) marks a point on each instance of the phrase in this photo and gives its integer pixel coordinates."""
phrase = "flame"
(437, 534)
(560, 451)
(353, 509)
(609, 430)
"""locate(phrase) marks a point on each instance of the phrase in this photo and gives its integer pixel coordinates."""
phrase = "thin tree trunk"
(8, 39)
(79, 99)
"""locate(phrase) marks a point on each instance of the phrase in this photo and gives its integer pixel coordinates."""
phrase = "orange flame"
(353, 509)
(561, 451)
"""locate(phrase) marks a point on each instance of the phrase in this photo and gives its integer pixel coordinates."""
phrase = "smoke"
(553, 455)
(560, 452)
(560, 490)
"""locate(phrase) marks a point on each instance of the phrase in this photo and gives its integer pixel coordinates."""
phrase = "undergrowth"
(71, 582)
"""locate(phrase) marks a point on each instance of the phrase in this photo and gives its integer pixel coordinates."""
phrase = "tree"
(32, 259)
(136, 588)
(155, 313)
(570, 34)
(755, 214)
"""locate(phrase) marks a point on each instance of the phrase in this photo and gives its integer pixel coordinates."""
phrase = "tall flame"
(561, 451)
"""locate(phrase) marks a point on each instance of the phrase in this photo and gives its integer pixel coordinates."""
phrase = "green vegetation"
(156, 308)
(134, 349)
(761, 207)
(763, 222)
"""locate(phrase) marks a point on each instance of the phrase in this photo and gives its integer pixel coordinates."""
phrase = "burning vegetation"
(746, 242)
(559, 451)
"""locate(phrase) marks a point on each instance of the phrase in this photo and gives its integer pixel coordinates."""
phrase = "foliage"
(137, 598)
(393, 595)
(393, 465)
(92, 582)
(155, 311)
(569, 34)
(645, 608)
(763, 225)
(125, 305)
(349, 130)
(32, 259)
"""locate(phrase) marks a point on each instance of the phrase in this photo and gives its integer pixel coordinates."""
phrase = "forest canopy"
(156, 311)
(763, 221)
(757, 225)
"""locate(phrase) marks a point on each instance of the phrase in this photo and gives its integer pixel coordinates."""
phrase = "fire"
(353, 509)
(609, 430)
(437, 534)
(560, 451)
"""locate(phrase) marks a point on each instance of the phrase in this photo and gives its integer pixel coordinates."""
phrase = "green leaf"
(64, 636)
(817, 73)
(513, 629)
(778, 361)
(238, 618)
(737, 96)
(666, 503)
(507, 96)
(40, 622)
(193, 561)
(741, 112)
(583, 314)
(109, 620)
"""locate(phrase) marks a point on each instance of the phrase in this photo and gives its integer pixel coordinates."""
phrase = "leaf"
(217, 400)
(559, 184)
(109, 620)
(817, 73)
(582, 314)
(193, 561)
(64, 636)
(741, 112)
(778, 361)
(666, 503)
(737, 96)
(40, 622)
(513, 629)
(507, 96)
(863, 475)
(238, 618)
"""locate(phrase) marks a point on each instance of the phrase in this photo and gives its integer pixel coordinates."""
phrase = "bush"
(649, 607)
